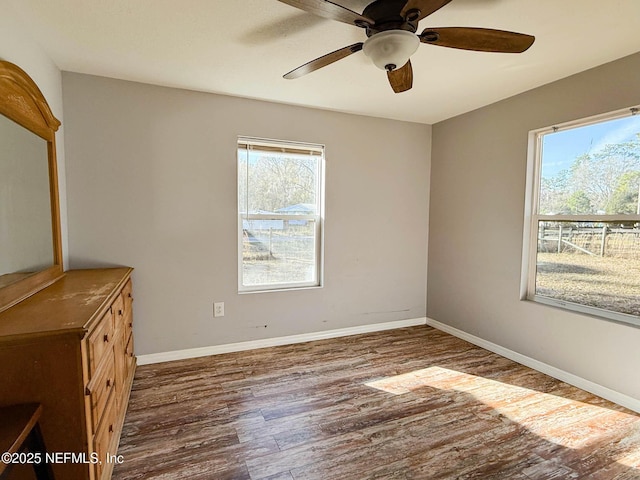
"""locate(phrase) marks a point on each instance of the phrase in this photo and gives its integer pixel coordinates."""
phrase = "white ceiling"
(243, 47)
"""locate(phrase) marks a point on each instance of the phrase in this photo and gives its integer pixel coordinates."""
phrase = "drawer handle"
(108, 382)
(106, 338)
(130, 325)
(110, 428)
(120, 312)
(129, 295)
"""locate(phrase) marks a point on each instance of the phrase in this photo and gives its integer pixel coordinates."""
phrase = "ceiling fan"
(391, 27)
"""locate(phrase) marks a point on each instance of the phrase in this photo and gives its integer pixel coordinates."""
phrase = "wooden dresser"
(70, 348)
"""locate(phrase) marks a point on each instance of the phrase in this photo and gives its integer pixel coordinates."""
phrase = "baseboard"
(604, 392)
(275, 342)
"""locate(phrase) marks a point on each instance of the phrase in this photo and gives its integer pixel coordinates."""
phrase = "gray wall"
(151, 183)
(476, 229)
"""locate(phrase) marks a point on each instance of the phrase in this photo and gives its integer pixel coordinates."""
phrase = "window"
(280, 210)
(582, 233)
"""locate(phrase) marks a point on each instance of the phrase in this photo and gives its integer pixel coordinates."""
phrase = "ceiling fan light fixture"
(391, 49)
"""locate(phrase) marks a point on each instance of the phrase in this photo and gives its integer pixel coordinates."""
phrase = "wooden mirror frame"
(22, 101)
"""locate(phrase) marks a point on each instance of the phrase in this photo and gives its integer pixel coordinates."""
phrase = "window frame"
(532, 217)
(318, 218)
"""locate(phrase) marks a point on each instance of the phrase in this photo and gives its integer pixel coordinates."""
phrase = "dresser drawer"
(118, 311)
(104, 437)
(100, 341)
(127, 327)
(127, 295)
(129, 355)
(100, 387)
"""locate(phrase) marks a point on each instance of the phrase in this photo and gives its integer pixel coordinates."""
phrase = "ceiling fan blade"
(477, 39)
(401, 79)
(323, 61)
(334, 11)
(426, 7)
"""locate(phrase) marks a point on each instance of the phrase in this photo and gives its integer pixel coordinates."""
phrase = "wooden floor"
(410, 403)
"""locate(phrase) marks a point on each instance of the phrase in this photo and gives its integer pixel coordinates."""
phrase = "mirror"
(25, 208)
(30, 247)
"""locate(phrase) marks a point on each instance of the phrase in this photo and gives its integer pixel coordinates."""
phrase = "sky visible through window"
(562, 148)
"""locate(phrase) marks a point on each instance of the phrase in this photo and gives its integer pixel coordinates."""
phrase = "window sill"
(595, 312)
(282, 289)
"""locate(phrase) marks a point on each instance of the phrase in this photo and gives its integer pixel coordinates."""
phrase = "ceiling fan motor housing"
(386, 15)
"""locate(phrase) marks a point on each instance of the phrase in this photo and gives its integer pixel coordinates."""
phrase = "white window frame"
(318, 218)
(532, 217)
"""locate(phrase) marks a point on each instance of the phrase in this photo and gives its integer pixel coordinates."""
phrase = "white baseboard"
(604, 392)
(274, 342)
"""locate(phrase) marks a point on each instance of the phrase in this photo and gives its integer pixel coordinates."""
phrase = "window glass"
(591, 264)
(585, 231)
(591, 170)
(280, 205)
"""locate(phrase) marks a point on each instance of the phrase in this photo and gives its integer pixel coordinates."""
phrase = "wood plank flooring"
(412, 403)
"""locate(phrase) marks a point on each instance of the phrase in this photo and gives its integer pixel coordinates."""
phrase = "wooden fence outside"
(599, 241)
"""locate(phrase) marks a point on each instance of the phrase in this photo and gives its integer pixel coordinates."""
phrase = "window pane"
(278, 252)
(278, 183)
(592, 264)
(592, 169)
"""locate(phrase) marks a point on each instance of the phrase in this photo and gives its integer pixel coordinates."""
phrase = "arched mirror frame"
(22, 101)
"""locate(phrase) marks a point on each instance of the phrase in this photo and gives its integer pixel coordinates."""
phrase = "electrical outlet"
(218, 309)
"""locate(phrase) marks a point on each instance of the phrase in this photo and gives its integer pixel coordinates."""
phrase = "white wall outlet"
(218, 309)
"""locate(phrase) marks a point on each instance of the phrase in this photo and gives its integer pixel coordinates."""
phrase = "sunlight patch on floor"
(564, 421)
